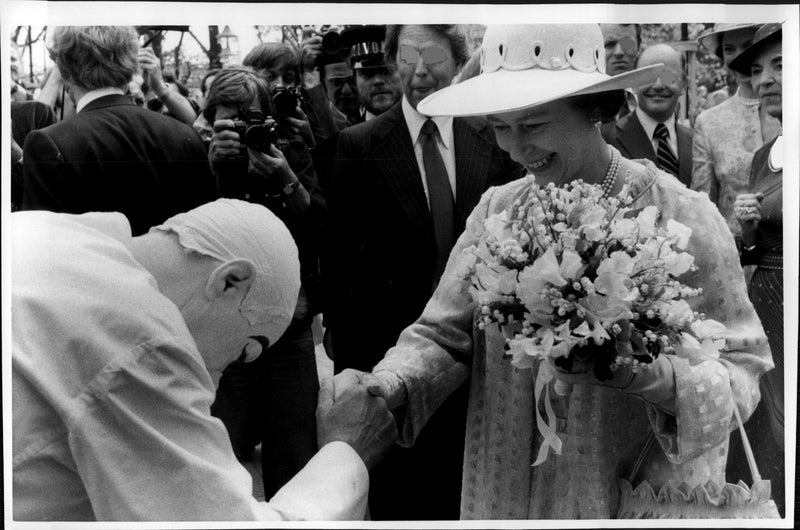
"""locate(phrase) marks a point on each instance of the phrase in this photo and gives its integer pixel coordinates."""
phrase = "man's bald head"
(660, 99)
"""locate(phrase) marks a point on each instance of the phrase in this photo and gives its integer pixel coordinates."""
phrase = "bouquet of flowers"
(571, 274)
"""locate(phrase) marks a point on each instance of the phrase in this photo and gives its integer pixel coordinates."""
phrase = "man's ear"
(231, 279)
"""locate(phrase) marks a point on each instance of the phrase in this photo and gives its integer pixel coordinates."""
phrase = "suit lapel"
(684, 155)
(395, 157)
(634, 139)
(472, 154)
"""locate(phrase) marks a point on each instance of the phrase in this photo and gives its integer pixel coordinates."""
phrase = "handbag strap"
(751, 461)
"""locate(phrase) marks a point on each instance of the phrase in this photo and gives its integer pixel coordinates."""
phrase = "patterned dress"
(603, 429)
(725, 138)
(766, 427)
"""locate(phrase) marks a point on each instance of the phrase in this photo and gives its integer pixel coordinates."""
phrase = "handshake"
(352, 409)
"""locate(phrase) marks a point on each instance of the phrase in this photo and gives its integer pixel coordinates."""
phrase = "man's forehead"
(617, 31)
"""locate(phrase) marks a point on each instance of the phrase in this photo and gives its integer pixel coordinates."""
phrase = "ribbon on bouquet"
(547, 428)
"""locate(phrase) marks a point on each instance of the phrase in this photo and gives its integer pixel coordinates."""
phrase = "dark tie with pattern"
(665, 158)
(441, 197)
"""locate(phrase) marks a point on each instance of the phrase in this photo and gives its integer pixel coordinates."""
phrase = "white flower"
(647, 221)
(680, 232)
(622, 229)
(618, 262)
(703, 329)
(677, 263)
(497, 225)
(678, 313)
(572, 266)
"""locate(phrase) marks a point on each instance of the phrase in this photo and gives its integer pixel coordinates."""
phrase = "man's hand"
(347, 412)
(297, 123)
(225, 142)
(271, 165)
(310, 49)
(151, 67)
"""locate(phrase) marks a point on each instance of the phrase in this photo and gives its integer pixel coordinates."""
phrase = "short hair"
(599, 106)
(453, 33)
(273, 56)
(210, 73)
(93, 57)
(237, 86)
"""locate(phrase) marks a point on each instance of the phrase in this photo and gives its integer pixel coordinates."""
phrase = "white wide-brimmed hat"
(527, 65)
(712, 40)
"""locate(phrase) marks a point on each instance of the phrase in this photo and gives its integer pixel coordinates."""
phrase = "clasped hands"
(352, 409)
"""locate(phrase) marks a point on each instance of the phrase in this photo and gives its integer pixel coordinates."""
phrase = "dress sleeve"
(707, 387)
(147, 449)
(433, 355)
(703, 176)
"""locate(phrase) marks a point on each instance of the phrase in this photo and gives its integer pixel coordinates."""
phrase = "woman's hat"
(712, 40)
(527, 65)
(765, 35)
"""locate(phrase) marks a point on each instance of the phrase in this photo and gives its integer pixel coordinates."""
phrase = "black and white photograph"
(399, 265)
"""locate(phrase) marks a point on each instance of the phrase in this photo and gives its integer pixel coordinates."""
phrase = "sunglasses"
(668, 77)
(430, 56)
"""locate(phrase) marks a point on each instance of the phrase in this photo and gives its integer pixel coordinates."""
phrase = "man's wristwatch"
(291, 187)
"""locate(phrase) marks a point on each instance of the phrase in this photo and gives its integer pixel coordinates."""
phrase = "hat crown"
(548, 46)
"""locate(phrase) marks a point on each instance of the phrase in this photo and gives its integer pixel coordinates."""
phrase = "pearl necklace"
(611, 174)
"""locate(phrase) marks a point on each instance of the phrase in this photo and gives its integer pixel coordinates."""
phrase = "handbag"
(709, 501)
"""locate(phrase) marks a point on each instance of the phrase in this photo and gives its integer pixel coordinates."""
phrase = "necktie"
(664, 157)
(441, 197)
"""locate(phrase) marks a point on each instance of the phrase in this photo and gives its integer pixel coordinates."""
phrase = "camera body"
(285, 99)
(255, 130)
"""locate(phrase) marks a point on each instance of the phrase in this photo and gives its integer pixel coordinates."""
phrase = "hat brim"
(741, 63)
(508, 91)
(711, 41)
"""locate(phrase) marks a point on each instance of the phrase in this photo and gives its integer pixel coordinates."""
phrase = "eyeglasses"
(430, 56)
(669, 77)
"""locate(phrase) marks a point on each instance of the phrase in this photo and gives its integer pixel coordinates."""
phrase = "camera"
(255, 130)
(285, 99)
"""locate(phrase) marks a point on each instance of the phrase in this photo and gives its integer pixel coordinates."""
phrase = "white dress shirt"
(444, 141)
(649, 125)
(96, 94)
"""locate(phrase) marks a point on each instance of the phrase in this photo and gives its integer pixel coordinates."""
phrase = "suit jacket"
(382, 248)
(26, 116)
(379, 270)
(632, 141)
(116, 156)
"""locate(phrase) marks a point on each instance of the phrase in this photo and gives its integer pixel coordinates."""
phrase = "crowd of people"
(169, 260)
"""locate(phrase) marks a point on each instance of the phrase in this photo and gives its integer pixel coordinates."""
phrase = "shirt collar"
(96, 94)
(415, 121)
(776, 155)
(649, 124)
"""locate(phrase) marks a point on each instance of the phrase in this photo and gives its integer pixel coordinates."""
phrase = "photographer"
(326, 69)
(261, 161)
(280, 66)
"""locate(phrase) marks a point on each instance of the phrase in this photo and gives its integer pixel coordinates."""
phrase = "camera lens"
(332, 42)
(284, 101)
(257, 137)
(155, 105)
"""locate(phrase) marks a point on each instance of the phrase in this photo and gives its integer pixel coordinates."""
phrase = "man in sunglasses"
(652, 131)
(401, 189)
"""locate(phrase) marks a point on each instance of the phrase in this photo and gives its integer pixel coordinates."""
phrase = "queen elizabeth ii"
(543, 88)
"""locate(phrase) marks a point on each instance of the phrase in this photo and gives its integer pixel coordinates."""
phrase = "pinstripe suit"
(380, 269)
